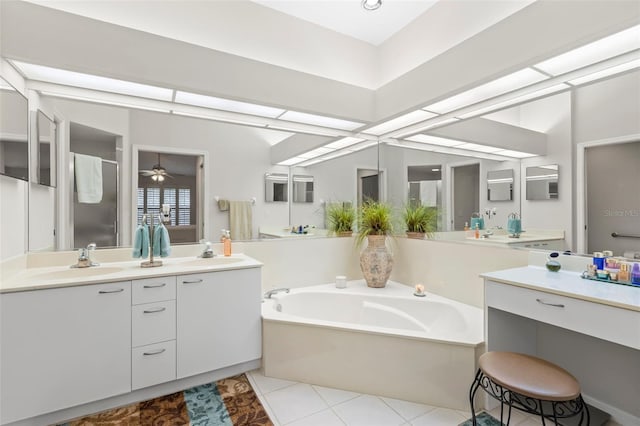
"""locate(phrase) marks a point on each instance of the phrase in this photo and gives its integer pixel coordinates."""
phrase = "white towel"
(240, 220)
(88, 171)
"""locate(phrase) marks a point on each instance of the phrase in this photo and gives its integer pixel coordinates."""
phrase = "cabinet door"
(219, 320)
(63, 347)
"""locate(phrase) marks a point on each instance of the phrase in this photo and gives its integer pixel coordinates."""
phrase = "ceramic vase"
(376, 261)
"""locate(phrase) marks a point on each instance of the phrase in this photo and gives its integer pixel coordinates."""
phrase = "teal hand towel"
(145, 241)
(141, 242)
(137, 242)
(161, 242)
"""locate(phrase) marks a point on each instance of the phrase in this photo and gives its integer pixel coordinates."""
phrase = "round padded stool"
(529, 384)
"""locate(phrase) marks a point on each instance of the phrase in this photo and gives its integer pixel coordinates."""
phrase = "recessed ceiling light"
(320, 120)
(315, 153)
(227, 104)
(515, 154)
(607, 47)
(94, 82)
(370, 5)
(291, 161)
(399, 122)
(479, 148)
(488, 90)
(104, 99)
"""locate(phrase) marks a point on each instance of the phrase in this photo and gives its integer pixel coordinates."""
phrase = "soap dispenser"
(227, 243)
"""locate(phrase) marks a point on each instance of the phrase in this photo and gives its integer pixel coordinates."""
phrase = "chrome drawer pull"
(153, 311)
(192, 282)
(120, 290)
(156, 352)
(155, 286)
(557, 305)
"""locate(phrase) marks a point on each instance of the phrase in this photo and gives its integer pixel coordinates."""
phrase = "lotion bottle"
(477, 232)
(227, 243)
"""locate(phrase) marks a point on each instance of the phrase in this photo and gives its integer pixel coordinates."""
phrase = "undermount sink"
(77, 273)
(211, 261)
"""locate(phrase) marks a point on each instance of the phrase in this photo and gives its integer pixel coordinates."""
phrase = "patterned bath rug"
(483, 419)
(227, 402)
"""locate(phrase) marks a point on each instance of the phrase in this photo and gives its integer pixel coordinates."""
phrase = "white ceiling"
(349, 18)
(318, 37)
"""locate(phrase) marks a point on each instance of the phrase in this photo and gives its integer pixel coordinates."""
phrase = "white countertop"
(570, 284)
(64, 276)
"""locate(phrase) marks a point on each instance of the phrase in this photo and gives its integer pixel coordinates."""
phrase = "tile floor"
(299, 404)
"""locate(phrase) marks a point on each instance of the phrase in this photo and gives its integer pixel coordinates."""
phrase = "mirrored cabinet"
(302, 188)
(500, 185)
(46, 149)
(14, 133)
(542, 182)
(276, 187)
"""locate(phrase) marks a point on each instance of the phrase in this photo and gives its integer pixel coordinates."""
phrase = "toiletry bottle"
(466, 226)
(223, 235)
(552, 262)
(598, 260)
(635, 274)
(227, 244)
(477, 232)
(624, 276)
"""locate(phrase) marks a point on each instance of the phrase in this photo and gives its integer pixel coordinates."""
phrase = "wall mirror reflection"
(500, 185)
(425, 188)
(302, 188)
(542, 182)
(14, 125)
(276, 187)
(46, 147)
(171, 182)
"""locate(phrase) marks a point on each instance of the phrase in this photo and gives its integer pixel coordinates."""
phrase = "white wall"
(555, 113)
(239, 157)
(13, 216)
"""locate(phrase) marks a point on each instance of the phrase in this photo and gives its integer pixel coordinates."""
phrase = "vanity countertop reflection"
(285, 232)
(43, 277)
(530, 238)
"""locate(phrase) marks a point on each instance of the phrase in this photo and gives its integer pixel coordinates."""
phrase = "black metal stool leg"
(541, 412)
(472, 393)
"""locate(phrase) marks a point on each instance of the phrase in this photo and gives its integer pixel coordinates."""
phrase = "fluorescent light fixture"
(324, 158)
(304, 128)
(105, 101)
(435, 170)
(291, 161)
(516, 100)
(435, 140)
(320, 120)
(605, 48)
(94, 82)
(315, 153)
(400, 122)
(227, 105)
(479, 148)
(606, 72)
(542, 177)
(515, 154)
(344, 142)
(488, 90)
(361, 146)
(448, 150)
(500, 180)
(431, 123)
(215, 118)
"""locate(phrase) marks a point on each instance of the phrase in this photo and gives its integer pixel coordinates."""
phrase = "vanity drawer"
(153, 322)
(606, 322)
(153, 290)
(153, 364)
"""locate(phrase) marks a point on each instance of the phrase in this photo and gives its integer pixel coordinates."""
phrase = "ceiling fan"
(157, 172)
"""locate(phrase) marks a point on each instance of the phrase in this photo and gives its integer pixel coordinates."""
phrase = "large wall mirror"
(500, 185)
(542, 182)
(302, 188)
(276, 187)
(46, 150)
(14, 131)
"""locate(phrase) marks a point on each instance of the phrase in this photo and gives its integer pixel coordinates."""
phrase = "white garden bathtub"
(379, 341)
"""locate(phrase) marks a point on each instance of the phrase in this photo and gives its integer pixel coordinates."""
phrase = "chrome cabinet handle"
(156, 352)
(153, 311)
(192, 282)
(155, 286)
(557, 305)
(120, 290)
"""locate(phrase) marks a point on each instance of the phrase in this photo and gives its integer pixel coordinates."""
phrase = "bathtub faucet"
(268, 294)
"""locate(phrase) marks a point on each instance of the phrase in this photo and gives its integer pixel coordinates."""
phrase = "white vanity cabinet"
(218, 320)
(63, 347)
(153, 331)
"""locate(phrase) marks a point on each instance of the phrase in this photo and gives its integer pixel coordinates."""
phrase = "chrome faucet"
(268, 294)
(84, 257)
(207, 252)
